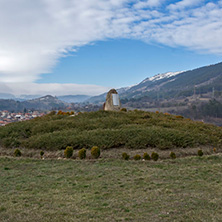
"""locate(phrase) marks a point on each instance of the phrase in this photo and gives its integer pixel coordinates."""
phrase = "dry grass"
(185, 189)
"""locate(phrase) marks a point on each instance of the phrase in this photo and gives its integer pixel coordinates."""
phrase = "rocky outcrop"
(112, 101)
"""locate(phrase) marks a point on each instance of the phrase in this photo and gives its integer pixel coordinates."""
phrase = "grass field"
(185, 189)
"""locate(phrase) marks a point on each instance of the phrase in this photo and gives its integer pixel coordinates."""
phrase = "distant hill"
(43, 103)
(74, 98)
(6, 96)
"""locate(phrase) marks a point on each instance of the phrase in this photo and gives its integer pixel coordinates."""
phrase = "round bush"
(52, 113)
(200, 153)
(82, 153)
(137, 157)
(125, 156)
(172, 155)
(95, 152)
(41, 153)
(17, 153)
(146, 156)
(123, 110)
(68, 152)
(154, 156)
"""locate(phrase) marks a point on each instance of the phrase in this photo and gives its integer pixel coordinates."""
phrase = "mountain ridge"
(47, 102)
(176, 82)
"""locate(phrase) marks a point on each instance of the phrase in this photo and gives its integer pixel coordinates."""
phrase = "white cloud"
(51, 88)
(36, 34)
(147, 4)
(184, 4)
(200, 30)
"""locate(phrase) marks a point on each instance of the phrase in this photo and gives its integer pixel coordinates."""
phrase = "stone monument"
(112, 101)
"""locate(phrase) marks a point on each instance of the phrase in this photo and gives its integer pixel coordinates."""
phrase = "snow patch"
(162, 76)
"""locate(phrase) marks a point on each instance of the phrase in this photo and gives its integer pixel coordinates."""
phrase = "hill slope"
(174, 84)
(134, 129)
(183, 83)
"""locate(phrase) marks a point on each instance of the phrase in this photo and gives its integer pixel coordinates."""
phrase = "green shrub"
(173, 155)
(200, 153)
(123, 110)
(52, 113)
(95, 152)
(125, 156)
(82, 153)
(17, 153)
(68, 152)
(137, 157)
(146, 156)
(179, 117)
(41, 153)
(154, 156)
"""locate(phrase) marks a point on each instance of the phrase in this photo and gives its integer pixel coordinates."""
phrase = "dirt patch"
(114, 153)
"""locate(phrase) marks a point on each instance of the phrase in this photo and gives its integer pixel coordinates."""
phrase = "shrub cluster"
(68, 152)
(95, 152)
(155, 156)
(82, 153)
(123, 110)
(41, 154)
(107, 130)
(125, 156)
(60, 112)
(200, 153)
(17, 153)
(179, 117)
(172, 155)
(146, 156)
(52, 113)
(137, 157)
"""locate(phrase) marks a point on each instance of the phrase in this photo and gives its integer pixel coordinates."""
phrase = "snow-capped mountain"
(174, 84)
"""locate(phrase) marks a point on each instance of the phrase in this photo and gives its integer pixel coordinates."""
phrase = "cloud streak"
(34, 35)
(51, 89)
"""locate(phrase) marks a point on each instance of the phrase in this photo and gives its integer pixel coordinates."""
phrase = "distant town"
(7, 117)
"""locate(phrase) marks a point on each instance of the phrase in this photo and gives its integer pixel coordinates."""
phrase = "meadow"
(184, 189)
(109, 188)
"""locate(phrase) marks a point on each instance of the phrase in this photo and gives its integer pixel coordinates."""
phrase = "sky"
(63, 47)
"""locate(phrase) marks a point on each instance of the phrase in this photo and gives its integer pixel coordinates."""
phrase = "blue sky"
(122, 62)
(86, 47)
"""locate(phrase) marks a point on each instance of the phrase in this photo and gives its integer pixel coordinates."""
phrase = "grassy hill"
(133, 129)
